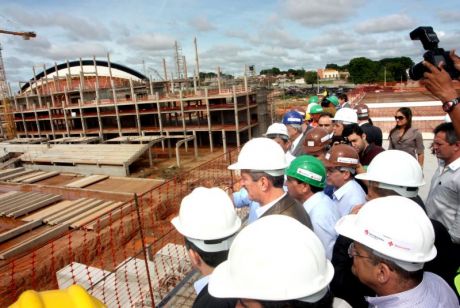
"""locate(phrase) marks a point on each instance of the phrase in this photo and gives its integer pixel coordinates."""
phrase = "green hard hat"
(313, 99)
(334, 100)
(316, 109)
(308, 169)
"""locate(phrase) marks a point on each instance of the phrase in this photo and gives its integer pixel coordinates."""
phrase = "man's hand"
(438, 81)
(455, 59)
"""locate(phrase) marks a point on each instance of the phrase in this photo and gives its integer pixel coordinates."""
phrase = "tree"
(333, 66)
(272, 71)
(363, 70)
(311, 77)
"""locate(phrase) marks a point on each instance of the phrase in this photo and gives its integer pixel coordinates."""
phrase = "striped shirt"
(432, 292)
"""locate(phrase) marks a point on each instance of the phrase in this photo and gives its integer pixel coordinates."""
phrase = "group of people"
(334, 219)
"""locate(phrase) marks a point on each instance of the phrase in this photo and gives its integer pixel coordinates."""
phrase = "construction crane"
(25, 35)
(8, 119)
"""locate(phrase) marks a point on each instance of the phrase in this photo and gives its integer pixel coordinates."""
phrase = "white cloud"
(397, 22)
(150, 42)
(449, 16)
(320, 12)
(76, 28)
(202, 24)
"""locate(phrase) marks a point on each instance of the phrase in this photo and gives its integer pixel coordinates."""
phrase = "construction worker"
(343, 101)
(313, 99)
(341, 162)
(293, 121)
(316, 142)
(344, 116)
(74, 296)
(208, 222)
(306, 178)
(262, 163)
(393, 239)
(358, 140)
(315, 113)
(329, 104)
(373, 133)
(276, 262)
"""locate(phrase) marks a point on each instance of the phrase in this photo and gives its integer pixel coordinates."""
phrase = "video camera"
(434, 54)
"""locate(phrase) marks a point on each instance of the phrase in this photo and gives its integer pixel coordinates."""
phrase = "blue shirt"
(348, 196)
(324, 215)
(432, 292)
(241, 199)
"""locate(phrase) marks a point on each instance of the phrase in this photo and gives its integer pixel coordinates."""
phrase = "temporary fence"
(130, 257)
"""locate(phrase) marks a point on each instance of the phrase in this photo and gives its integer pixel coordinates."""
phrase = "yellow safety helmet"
(74, 296)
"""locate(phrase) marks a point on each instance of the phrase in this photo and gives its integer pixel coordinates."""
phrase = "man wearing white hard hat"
(392, 173)
(343, 117)
(279, 133)
(392, 240)
(208, 222)
(262, 163)
(276, 262)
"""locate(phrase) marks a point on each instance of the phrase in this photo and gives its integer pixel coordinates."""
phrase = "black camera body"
(433, 54)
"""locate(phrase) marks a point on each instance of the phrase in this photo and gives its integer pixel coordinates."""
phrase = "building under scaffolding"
(100, 98)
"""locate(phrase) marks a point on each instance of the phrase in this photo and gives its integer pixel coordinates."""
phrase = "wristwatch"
(449, 106)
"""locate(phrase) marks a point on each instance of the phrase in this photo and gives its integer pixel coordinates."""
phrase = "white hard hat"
(346, 116)
(447, 118)
(207, 214)
(274, 258)
(277, 129)
(261, 154)
(395, 170)
(394, 227)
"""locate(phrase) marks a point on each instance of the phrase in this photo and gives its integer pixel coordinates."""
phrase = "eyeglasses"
(399, 118)
(353, 253)
(324, 125)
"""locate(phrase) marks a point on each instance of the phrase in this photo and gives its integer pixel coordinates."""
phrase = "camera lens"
(416, 72)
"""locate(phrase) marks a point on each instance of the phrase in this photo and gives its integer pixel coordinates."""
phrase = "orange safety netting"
(112, 255)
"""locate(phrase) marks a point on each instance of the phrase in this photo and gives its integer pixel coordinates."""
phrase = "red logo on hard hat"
(390, 244)
(366, 232)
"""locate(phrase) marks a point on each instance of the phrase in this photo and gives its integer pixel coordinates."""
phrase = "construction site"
(97, 157)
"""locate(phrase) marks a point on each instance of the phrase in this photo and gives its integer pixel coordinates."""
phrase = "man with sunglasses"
(393, 238)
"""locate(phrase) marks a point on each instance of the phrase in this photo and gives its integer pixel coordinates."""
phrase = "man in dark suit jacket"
(262, 162)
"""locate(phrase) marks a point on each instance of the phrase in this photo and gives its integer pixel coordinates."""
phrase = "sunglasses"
(399, 118)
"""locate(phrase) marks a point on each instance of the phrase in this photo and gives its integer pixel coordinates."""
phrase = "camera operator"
(440, 84)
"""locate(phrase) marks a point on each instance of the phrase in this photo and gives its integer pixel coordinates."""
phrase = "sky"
(230, 34)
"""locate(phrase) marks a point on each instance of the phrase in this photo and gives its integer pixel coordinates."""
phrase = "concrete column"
(237, 125)
(51, 120)
(206, 101)
(160, 121)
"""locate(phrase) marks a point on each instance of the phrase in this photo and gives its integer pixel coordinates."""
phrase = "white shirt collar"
(200, 284)
(262, 209)
(311, 202)
(342, 190)
(454, 165)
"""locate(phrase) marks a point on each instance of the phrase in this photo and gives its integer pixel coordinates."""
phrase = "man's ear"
(364, 136)
(195, 258)
(383, 273)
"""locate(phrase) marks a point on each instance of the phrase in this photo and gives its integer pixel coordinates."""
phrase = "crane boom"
(25, 35)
